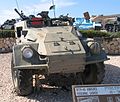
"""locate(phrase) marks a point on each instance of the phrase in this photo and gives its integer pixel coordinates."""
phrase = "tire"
(94, 73)
(22, 81)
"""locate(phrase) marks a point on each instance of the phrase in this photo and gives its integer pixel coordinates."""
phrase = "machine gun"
(44, 14)
(21, 15)
(46, 18)
(66, 18)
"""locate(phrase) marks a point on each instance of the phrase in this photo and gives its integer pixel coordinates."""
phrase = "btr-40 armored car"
(53, 48)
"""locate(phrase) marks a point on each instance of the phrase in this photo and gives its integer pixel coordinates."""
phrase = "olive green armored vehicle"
(53, 48)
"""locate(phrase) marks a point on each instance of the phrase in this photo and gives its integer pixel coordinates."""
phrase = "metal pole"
(17, 4)
(53, 2)
(54, 8)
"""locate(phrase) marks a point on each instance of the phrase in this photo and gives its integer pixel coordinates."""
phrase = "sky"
(75, 8)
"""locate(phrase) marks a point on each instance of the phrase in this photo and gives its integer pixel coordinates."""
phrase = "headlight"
(27, 52)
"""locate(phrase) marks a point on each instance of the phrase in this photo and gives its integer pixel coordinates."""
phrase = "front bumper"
(97, 58)
(41, 67)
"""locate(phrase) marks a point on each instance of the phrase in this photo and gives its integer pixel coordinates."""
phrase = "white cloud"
(43, 0)
(64, 3)
(35, 8)
(45, 5)
(7, 14)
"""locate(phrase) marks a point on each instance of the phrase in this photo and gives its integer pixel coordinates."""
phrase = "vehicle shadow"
(51, 95)
(59, 95)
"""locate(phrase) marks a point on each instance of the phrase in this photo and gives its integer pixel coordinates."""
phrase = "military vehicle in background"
(113, 25)
(53, 48)
(8, 24)
(86, 23)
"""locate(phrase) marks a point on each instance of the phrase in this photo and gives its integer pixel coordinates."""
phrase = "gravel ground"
(48, 95)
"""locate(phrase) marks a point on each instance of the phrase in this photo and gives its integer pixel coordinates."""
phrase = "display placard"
(96, 93)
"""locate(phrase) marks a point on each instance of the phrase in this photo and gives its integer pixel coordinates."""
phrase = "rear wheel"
(94, 73)
(22, 81)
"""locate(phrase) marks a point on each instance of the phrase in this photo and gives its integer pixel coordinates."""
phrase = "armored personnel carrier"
(53, 48)
(8, 24)
(113, 25)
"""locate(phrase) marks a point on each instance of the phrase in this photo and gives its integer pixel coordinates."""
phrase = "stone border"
(111, 45)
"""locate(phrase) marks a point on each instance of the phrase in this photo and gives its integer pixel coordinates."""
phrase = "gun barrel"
(19, 14)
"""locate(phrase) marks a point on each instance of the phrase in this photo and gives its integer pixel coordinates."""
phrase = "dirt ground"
(7, 93)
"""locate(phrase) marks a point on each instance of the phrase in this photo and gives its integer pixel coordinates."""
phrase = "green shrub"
(7, 33)
(94, 33)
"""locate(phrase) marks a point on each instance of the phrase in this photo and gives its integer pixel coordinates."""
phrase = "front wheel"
(23, 83)
(94, 73)
(22, 80)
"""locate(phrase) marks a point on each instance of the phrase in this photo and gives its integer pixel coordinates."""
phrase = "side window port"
(19, 29)
(24, 32)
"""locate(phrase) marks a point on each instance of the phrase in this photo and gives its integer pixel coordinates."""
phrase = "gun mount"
(44, 14)
(21, 14)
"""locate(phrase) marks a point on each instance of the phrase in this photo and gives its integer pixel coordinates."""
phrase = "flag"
(52, 7)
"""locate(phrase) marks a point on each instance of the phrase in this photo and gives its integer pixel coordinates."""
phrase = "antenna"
(17, 4)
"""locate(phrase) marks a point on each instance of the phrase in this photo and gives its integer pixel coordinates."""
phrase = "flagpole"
(54, 8)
